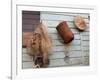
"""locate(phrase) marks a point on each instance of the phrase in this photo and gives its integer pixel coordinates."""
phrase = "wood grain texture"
(84, 15)
(61, 62)
(74, 54)
(30, 19)
(53, 17)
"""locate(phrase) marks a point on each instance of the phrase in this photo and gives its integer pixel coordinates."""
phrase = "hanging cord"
(67, 50)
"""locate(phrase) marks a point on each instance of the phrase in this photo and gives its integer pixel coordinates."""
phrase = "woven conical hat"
(80, 23)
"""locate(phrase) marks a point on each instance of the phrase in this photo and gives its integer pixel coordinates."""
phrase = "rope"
(36, 66)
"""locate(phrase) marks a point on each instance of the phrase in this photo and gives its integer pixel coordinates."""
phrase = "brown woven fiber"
(65, 32)
(80, 23)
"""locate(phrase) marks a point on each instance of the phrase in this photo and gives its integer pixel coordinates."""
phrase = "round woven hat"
(80, 23)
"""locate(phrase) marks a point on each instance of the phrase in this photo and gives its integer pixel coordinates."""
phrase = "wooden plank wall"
(30, 19)
(74, 54)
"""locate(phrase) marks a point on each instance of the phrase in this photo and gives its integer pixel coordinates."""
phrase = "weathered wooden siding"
(29, 21)
(77, 51)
